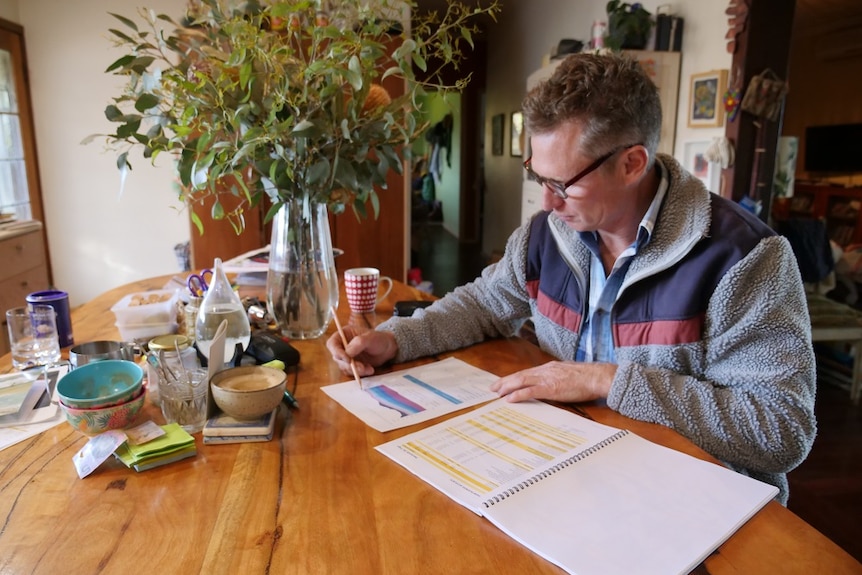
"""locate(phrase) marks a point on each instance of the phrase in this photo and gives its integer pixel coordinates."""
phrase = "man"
(672, 304)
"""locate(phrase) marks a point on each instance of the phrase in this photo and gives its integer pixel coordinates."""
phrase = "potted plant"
(629, 26)
(284, 100)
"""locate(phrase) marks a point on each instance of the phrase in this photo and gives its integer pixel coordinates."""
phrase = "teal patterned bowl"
(96, 420)
(101, 384)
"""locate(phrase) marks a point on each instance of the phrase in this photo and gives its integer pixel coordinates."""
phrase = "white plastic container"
(141, 333)
(147, 308)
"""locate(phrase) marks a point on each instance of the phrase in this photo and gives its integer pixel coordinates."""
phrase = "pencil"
(344, 341)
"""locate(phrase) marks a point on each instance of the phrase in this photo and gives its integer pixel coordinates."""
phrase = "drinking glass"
(33, 336)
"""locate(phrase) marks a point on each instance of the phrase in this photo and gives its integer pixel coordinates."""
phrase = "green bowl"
(100, 384)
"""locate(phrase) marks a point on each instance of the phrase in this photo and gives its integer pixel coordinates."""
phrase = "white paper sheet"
(414, 395)
(36, 421)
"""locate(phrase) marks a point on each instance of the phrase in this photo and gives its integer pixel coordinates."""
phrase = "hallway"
(444, 261)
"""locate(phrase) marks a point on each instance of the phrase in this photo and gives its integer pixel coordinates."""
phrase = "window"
(20, 196)
(14, 192)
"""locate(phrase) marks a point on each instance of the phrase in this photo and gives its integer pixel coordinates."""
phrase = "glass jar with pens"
(197, 285)
(172, 351)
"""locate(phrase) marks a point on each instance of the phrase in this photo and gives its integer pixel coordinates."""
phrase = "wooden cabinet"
(838, 206)
(219, 239)
(24, 270)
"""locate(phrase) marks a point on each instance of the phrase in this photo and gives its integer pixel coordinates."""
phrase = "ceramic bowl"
(249, 391)
(100, 384)
(96, 420)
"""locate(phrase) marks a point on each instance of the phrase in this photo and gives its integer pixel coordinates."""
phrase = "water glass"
(33, 336)
(183, 396)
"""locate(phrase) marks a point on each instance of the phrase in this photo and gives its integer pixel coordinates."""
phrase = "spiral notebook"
(585, 496)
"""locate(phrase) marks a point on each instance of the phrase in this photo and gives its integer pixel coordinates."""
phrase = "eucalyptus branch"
(272, 88)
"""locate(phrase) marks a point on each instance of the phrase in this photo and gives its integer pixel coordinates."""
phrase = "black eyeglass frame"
(559, 188)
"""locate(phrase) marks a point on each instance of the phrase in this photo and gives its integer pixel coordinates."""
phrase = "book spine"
(551, 470)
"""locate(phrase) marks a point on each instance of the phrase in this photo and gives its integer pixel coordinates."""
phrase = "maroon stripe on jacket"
(662, 332)
(557, 312)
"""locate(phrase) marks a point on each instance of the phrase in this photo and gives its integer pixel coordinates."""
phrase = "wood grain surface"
(317, 498)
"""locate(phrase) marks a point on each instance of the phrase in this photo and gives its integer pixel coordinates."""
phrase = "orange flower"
(377, 97)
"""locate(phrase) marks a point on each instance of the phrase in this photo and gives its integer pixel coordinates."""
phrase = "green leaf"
(354, 75)
(467, 35)
(125, 21)
(306, 128)
(391, 71)
(196, 220)
(272, 211)
(420, 61)
(318, 172)
(113, 113)
(203, 141)
(120, 63)
(217, 212)
(245, 74)
(140, 64)
(129, 129)
(375, 203)
(145, 102)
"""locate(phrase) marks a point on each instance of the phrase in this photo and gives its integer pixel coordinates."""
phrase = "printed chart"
(410, 396)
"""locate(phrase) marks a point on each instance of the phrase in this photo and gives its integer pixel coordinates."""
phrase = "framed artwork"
(497, 124)
(696, 163)
(705, 108)
(517, 144)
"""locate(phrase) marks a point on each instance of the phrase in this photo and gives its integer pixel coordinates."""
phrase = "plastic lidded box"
(146, 308)
(144, 332)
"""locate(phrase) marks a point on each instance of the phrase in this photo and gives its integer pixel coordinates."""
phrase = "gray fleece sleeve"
(753, 404)
(495, 304)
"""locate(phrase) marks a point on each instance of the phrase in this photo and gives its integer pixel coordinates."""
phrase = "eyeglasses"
(559, 188)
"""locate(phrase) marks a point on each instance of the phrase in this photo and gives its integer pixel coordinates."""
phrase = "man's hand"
(566, 381)
(368, 348)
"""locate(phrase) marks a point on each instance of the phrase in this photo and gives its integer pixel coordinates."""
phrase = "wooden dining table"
(317, 498)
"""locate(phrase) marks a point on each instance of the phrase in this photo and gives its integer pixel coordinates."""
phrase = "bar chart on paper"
(410, 396)
(492, 448)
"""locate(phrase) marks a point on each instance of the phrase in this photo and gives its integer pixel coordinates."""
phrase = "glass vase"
(301, 285)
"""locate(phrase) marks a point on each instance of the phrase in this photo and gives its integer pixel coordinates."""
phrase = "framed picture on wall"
(705, 107)
(497, 125)
(701, 168)
(517, 144)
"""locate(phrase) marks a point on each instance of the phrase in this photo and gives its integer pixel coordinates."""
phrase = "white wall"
(97, 239)
(526, 32)
(9, 10)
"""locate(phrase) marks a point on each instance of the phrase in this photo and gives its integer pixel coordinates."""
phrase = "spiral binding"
(551, 470)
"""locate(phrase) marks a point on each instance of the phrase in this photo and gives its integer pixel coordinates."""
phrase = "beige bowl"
(249, 391)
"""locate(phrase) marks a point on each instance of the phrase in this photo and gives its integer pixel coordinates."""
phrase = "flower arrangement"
(629, 25)
(285, 98)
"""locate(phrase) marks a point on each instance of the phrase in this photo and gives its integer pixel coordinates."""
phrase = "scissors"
(198, 282)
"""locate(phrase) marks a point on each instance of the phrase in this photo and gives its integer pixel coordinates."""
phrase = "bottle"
(221, 303)
(190, 317)
(597, 35)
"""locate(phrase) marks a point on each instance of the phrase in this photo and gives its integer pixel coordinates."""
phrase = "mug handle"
(388, 281)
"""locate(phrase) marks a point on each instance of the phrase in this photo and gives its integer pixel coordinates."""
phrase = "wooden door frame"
(764, 43)
(16, 45)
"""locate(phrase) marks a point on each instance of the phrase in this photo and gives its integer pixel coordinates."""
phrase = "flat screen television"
(836, 148)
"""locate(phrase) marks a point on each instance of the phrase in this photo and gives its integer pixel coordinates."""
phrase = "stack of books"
(174, 445)
(223, 428)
